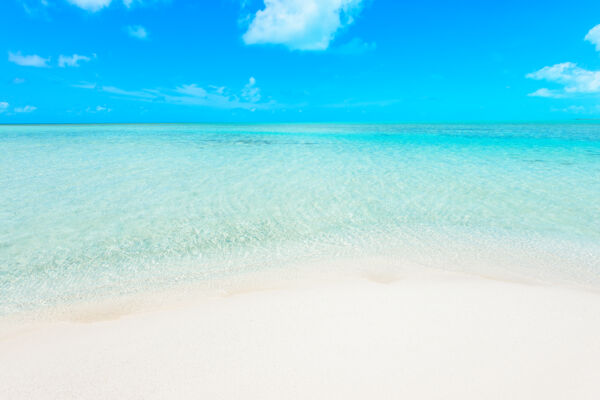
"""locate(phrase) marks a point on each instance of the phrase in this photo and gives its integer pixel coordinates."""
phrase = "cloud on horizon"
(248, 98)
(574, 79)
(219, 97)
(4, 107)
(301, 24)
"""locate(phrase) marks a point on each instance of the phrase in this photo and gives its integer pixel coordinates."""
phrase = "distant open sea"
(90, 211)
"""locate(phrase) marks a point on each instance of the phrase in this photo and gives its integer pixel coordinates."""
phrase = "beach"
(425, 261)
(433, 336)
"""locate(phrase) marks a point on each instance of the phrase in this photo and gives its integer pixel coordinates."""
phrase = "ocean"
(95, 211)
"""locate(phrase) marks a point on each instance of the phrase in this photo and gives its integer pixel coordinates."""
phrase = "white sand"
(415, 338)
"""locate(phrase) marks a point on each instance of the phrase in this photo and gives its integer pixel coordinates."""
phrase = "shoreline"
(381, 269)
(354, 336)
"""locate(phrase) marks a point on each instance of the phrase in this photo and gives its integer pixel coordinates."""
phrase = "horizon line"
(310, 122)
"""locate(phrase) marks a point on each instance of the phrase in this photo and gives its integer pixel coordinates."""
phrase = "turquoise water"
(99, 210)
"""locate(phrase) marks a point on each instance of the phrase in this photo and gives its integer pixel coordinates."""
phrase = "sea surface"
(93, 211)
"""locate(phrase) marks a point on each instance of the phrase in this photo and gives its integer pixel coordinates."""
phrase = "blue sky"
(298, 60)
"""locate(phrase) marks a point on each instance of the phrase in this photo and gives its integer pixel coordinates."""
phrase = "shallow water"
(100, 210)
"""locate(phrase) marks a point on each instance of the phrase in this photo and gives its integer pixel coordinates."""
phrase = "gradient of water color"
(100, 210)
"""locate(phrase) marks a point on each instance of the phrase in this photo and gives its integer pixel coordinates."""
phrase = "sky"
(81, 61)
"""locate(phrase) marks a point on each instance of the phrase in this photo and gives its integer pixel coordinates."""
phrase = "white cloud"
(251, 92)
(18, 81)
(26, 109)
(3, 106)
(90, 5)
(71, 61)
(575, 80)
(27, 61)
(301, 24)
(137, 31)
(593, 36)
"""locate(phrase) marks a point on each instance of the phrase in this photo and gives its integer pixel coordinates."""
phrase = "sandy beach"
(435, 337)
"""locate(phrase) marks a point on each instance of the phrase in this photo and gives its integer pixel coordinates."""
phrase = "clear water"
(102, 210)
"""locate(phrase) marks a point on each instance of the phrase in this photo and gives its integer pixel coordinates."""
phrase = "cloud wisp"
(579, 109)
(71, 61)
(355, 46)
(97, 5)
(219, 97)
(28, 61)
(545, 92)
(98, 109)
(91, 5)
(301, 24)
(40, 62)
(248, 98)
(4, 108)
(251, 92)
(26, 109)
(140, 94)
(137, 31)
